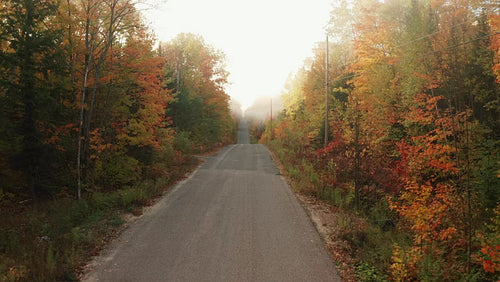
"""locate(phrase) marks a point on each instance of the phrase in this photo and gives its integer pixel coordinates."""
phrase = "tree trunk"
(30, 143)
(88, 59)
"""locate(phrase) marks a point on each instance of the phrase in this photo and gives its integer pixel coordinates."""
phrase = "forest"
(397, 123)
(95, 117)
(403, 132)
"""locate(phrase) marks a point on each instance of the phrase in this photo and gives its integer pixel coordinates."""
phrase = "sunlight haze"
(264, 41)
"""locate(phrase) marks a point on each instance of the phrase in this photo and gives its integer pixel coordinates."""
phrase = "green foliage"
(368, 273)
(182, 142)
(49, 243)
(32, 78)
(486, 172)
(132, 197)
(116, 170)
(194, 72)
(338, 197)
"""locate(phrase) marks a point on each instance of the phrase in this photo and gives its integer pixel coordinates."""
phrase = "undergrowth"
(370, 233)
(52, 240)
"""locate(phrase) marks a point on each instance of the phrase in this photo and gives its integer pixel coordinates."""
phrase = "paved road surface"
(234, 219)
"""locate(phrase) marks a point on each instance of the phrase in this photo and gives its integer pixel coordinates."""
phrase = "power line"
(327, 84)
(427, 54)
(434, 33)
(464, 43)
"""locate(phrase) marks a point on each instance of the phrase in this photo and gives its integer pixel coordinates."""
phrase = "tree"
(29, 58)
(104, 21)
(414, 119)
(196, 74)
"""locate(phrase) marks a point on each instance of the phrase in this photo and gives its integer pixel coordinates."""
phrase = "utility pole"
(178, 75)
(357, 161)
(326, 93)
(271, 117)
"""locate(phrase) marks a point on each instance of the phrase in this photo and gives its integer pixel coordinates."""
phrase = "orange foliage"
(495, 43)
(411, 121)
(425, 206)
(489, 253)
(426, 202)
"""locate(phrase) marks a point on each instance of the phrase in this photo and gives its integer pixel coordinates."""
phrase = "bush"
(368, 273)
(338, 197)
(182, 142)
(116, 170)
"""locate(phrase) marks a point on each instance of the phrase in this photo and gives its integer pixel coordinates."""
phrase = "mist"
(260, 110)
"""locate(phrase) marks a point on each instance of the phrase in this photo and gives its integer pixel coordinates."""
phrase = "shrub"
(115, 170)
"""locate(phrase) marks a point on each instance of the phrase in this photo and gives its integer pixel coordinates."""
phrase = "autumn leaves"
(413, 123)
(88, 104)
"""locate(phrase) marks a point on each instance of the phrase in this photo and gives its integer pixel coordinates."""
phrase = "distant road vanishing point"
(233, 219)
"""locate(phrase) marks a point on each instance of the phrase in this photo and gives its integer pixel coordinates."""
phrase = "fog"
(261, 108)
(235, 107)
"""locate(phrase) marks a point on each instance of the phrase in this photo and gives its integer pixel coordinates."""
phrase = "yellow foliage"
(14, 274)
(398, 269)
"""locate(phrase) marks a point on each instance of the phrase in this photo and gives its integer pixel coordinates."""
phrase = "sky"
(264, 40)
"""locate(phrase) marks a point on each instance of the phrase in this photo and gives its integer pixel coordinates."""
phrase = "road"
(233, 219)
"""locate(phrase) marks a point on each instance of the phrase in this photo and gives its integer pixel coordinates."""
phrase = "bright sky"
(264, 40)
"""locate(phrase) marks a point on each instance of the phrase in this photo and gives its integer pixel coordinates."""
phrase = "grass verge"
(53, 240)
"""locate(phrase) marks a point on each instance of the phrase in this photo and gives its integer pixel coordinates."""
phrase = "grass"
(52, 241)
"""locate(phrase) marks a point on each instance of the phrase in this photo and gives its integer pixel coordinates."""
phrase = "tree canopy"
(413, 125)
